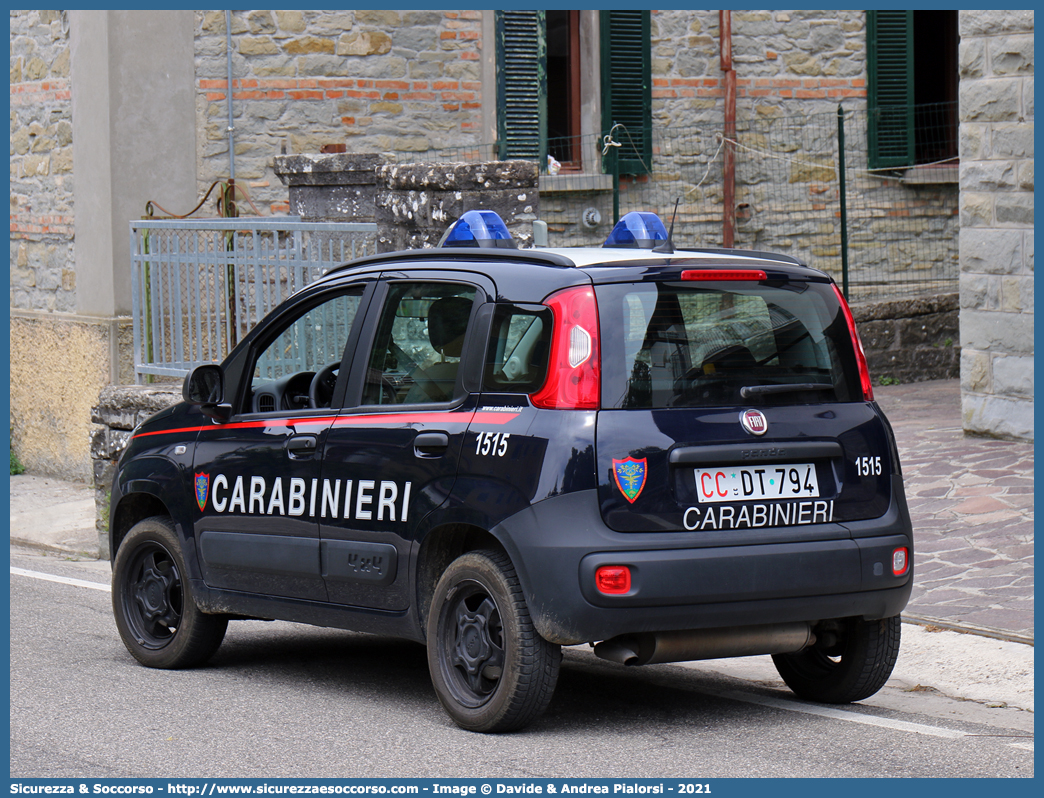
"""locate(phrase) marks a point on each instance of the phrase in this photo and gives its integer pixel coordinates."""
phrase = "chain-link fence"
(898, 227)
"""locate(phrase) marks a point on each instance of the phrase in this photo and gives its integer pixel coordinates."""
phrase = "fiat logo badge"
(754, 422)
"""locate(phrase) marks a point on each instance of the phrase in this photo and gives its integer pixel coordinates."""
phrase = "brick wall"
(996, 239)
(817, 57)
(42, 272)
(378, 81)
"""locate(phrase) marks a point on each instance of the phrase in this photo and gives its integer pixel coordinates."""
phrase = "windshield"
(684, 344)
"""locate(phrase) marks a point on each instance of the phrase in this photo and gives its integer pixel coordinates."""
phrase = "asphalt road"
(282, 700)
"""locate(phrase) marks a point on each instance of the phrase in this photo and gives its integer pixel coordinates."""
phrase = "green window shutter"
(889, 44)
(522, 85)
(627, 86)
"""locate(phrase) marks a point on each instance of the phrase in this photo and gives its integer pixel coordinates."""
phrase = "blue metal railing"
(199, 285)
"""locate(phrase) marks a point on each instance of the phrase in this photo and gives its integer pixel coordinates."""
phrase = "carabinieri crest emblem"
(630, 476)
(202, 489)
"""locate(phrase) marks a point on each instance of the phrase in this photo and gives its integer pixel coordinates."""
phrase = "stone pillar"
(417, 202)
(119, 410)
(996, 212)
(331, 188)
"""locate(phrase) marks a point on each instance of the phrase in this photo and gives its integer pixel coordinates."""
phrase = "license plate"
(749, 483)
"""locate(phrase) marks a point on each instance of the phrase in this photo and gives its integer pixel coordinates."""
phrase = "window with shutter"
(538, 65)
(627, 86)
(889, 42)
(913, 81)
(522, 85)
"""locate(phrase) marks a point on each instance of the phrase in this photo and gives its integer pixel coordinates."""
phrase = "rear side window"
(713, 344)
(517, 353)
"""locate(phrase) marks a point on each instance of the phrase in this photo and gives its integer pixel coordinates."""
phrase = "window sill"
(568, 182)
(932, 175)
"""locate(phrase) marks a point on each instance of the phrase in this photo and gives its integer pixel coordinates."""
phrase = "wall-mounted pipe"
(231, 126)
(728, 225)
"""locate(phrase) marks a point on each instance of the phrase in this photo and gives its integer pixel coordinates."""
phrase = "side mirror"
(205, 385)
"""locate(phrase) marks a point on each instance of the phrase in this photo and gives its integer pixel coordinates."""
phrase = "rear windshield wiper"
(749, 391)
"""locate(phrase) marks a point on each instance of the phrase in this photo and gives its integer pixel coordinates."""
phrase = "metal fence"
(199, 285)
(897, 231)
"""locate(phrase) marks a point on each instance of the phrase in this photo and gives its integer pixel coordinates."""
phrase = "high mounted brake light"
(574, 371)
(723, 274)
(857, 345)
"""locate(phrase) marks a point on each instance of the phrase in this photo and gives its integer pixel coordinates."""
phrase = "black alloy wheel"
(491, 670)
(152, 603)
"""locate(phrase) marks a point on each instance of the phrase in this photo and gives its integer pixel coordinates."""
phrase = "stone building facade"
(377, 81)
(996, 237)
(42, 202)
(134, 105)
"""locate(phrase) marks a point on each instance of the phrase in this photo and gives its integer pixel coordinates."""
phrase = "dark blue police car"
(670, 454)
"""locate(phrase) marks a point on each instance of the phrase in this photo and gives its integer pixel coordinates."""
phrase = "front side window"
(672, 345)
(420, 339)
(298, 368)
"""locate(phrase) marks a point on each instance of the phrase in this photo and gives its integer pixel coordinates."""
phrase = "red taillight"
(723, 274)
(864, 372)
(574, 372)
(613, 579)
(900, 561)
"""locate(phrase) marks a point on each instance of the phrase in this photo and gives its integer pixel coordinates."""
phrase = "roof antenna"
(667, 247)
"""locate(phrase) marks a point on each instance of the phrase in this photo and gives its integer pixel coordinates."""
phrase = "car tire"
(855, 667)
(491, 669)
(152, 601)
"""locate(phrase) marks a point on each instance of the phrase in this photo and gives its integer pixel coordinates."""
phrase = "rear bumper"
(679, 582)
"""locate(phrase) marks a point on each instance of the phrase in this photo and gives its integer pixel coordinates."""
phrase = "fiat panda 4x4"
(669, 454)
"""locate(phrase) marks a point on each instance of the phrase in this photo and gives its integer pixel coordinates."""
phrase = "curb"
(968, 629)
(70, 551)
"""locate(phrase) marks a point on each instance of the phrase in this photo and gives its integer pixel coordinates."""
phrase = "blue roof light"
(637, 230)
(478, 229)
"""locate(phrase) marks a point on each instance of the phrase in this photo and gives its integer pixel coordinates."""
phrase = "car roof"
(578, 257)
(545, 270)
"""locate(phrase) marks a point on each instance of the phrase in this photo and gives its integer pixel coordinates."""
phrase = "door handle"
(301, 446)
(430, 444)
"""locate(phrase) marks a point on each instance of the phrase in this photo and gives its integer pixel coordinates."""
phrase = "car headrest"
(447, 323)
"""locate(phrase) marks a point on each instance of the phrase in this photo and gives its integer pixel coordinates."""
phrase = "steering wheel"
(320, 392)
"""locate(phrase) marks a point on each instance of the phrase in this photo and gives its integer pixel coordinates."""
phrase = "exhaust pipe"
(650, 648)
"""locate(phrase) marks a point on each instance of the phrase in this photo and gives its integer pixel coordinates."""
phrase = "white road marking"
(63, 580)
(840, 714)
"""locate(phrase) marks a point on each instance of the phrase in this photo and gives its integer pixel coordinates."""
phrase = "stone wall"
(43, 275)
(417, 202)
(119, 410)
(783, 59)
(405, 81)
(331, 188)
(996, 239)
(910, 340)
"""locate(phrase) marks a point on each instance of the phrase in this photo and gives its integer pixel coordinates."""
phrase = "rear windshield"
(683, 344)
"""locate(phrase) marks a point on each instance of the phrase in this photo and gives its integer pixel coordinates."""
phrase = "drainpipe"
(231, 127)
(729, 176)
